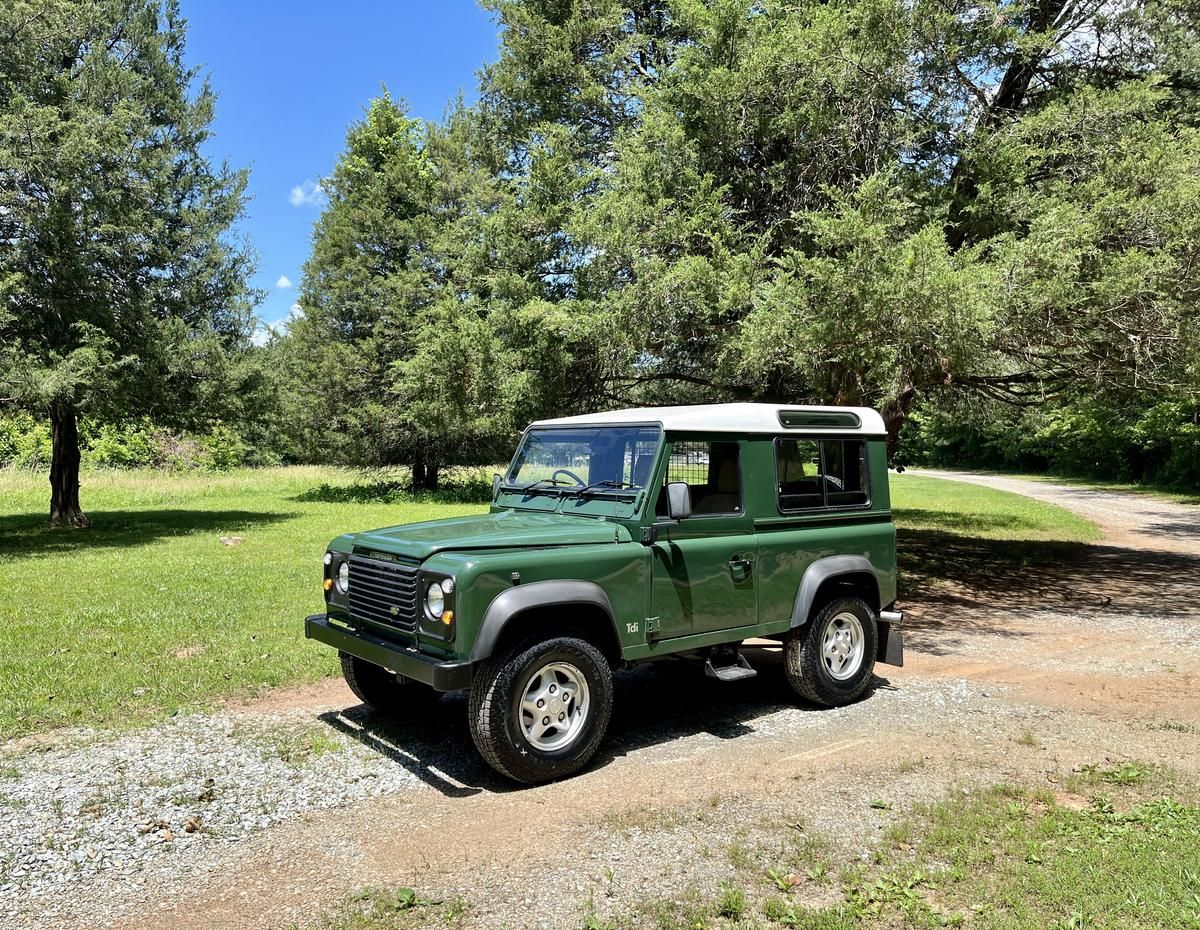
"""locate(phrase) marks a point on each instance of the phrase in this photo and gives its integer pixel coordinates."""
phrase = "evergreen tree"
(120, 291)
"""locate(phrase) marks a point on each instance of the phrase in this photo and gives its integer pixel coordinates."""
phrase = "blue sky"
(291, 76)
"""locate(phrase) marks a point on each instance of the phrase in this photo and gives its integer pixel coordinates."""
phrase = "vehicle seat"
(727, 497)
(641, 470)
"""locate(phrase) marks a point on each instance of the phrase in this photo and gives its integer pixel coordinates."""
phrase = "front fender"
(821, 571)
(515, 600)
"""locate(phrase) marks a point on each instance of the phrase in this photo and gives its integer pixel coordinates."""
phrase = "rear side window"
(816, 474)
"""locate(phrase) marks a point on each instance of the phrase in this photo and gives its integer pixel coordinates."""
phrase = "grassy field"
(148, 612)
(1115, 851)
(921, 503)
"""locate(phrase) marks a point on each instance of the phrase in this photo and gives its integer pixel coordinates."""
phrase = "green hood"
(503, 530)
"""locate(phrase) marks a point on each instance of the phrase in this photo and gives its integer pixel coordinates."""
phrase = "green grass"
(1011, 858)
(923, 503)
(149, 613)
(403, 909)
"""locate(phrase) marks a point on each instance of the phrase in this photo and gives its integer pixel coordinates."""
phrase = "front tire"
(379, 689)
(831, 658)
(540, 712)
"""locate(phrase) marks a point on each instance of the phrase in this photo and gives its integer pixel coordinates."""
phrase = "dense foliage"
(980, 216)
(26, 443)
(120, 291)
(962, 205)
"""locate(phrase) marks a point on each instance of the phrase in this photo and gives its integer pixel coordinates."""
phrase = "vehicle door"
(704, 567)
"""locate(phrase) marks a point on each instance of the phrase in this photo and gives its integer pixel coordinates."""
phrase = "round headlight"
(435, 600)
(447, 586)
(328, 557)
(343, 577)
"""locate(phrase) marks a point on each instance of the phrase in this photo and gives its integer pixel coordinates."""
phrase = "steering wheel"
(566, 471)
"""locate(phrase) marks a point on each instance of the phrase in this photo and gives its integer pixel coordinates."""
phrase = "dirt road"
(1024, 661)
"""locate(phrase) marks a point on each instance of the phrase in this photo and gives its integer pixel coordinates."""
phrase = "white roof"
(731, 418)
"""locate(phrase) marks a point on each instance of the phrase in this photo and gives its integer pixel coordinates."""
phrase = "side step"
(734, 672)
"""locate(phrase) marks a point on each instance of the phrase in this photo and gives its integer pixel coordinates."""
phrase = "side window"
(845, 473)
(798, 467)
(713, 472)
(812, 474)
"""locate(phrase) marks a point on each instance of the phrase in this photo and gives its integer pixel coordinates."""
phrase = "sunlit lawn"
(148, 612)
(923, 503)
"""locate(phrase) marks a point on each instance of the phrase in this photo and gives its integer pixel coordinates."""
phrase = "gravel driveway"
(1024, 660)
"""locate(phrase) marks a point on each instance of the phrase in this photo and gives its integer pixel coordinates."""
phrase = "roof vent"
(812, 419)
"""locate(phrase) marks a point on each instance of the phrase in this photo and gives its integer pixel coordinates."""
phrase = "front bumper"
(438, 674)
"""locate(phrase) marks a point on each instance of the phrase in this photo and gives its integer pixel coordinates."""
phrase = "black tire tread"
(802, 657)
(493, 680)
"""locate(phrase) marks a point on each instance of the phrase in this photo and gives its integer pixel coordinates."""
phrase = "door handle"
(741, 566)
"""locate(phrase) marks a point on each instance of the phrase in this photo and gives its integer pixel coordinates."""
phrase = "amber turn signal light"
(328, 586)
(448, 617)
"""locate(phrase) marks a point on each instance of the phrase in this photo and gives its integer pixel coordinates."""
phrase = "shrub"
(223, 449)
(1158, 444)
(24, 442)
(134, 444)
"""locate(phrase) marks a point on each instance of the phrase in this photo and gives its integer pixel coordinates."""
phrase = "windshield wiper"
(554, 485)
(610, 486)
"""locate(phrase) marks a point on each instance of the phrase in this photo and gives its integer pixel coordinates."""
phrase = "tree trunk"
(424, 474)
(64, 469)
(895, 414)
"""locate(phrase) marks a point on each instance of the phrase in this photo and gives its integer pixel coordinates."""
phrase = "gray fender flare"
(821, 571)
(512, 602)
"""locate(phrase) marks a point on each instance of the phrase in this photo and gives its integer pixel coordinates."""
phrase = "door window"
(713, 472)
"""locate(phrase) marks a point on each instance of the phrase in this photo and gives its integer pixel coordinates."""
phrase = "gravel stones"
(177, 792)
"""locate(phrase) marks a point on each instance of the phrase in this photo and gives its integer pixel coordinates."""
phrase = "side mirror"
(496, 479)
(679, 500)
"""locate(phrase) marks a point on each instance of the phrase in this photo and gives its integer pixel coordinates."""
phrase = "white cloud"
(283, 282)
(262, 335)
(295, 311)
(307, 194)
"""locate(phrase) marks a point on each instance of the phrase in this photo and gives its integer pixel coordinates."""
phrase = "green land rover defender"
(617, 538)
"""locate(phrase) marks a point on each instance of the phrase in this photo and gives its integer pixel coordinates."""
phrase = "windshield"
(598, 459)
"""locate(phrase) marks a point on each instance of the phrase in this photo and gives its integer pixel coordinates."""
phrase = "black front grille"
(383, 592)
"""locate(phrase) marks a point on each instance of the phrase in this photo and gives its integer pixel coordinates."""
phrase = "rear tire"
(533, 742)
(829, 660)
(379, 689)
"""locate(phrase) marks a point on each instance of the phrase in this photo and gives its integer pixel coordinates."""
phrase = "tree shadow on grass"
(395, 492)
(27, 535)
